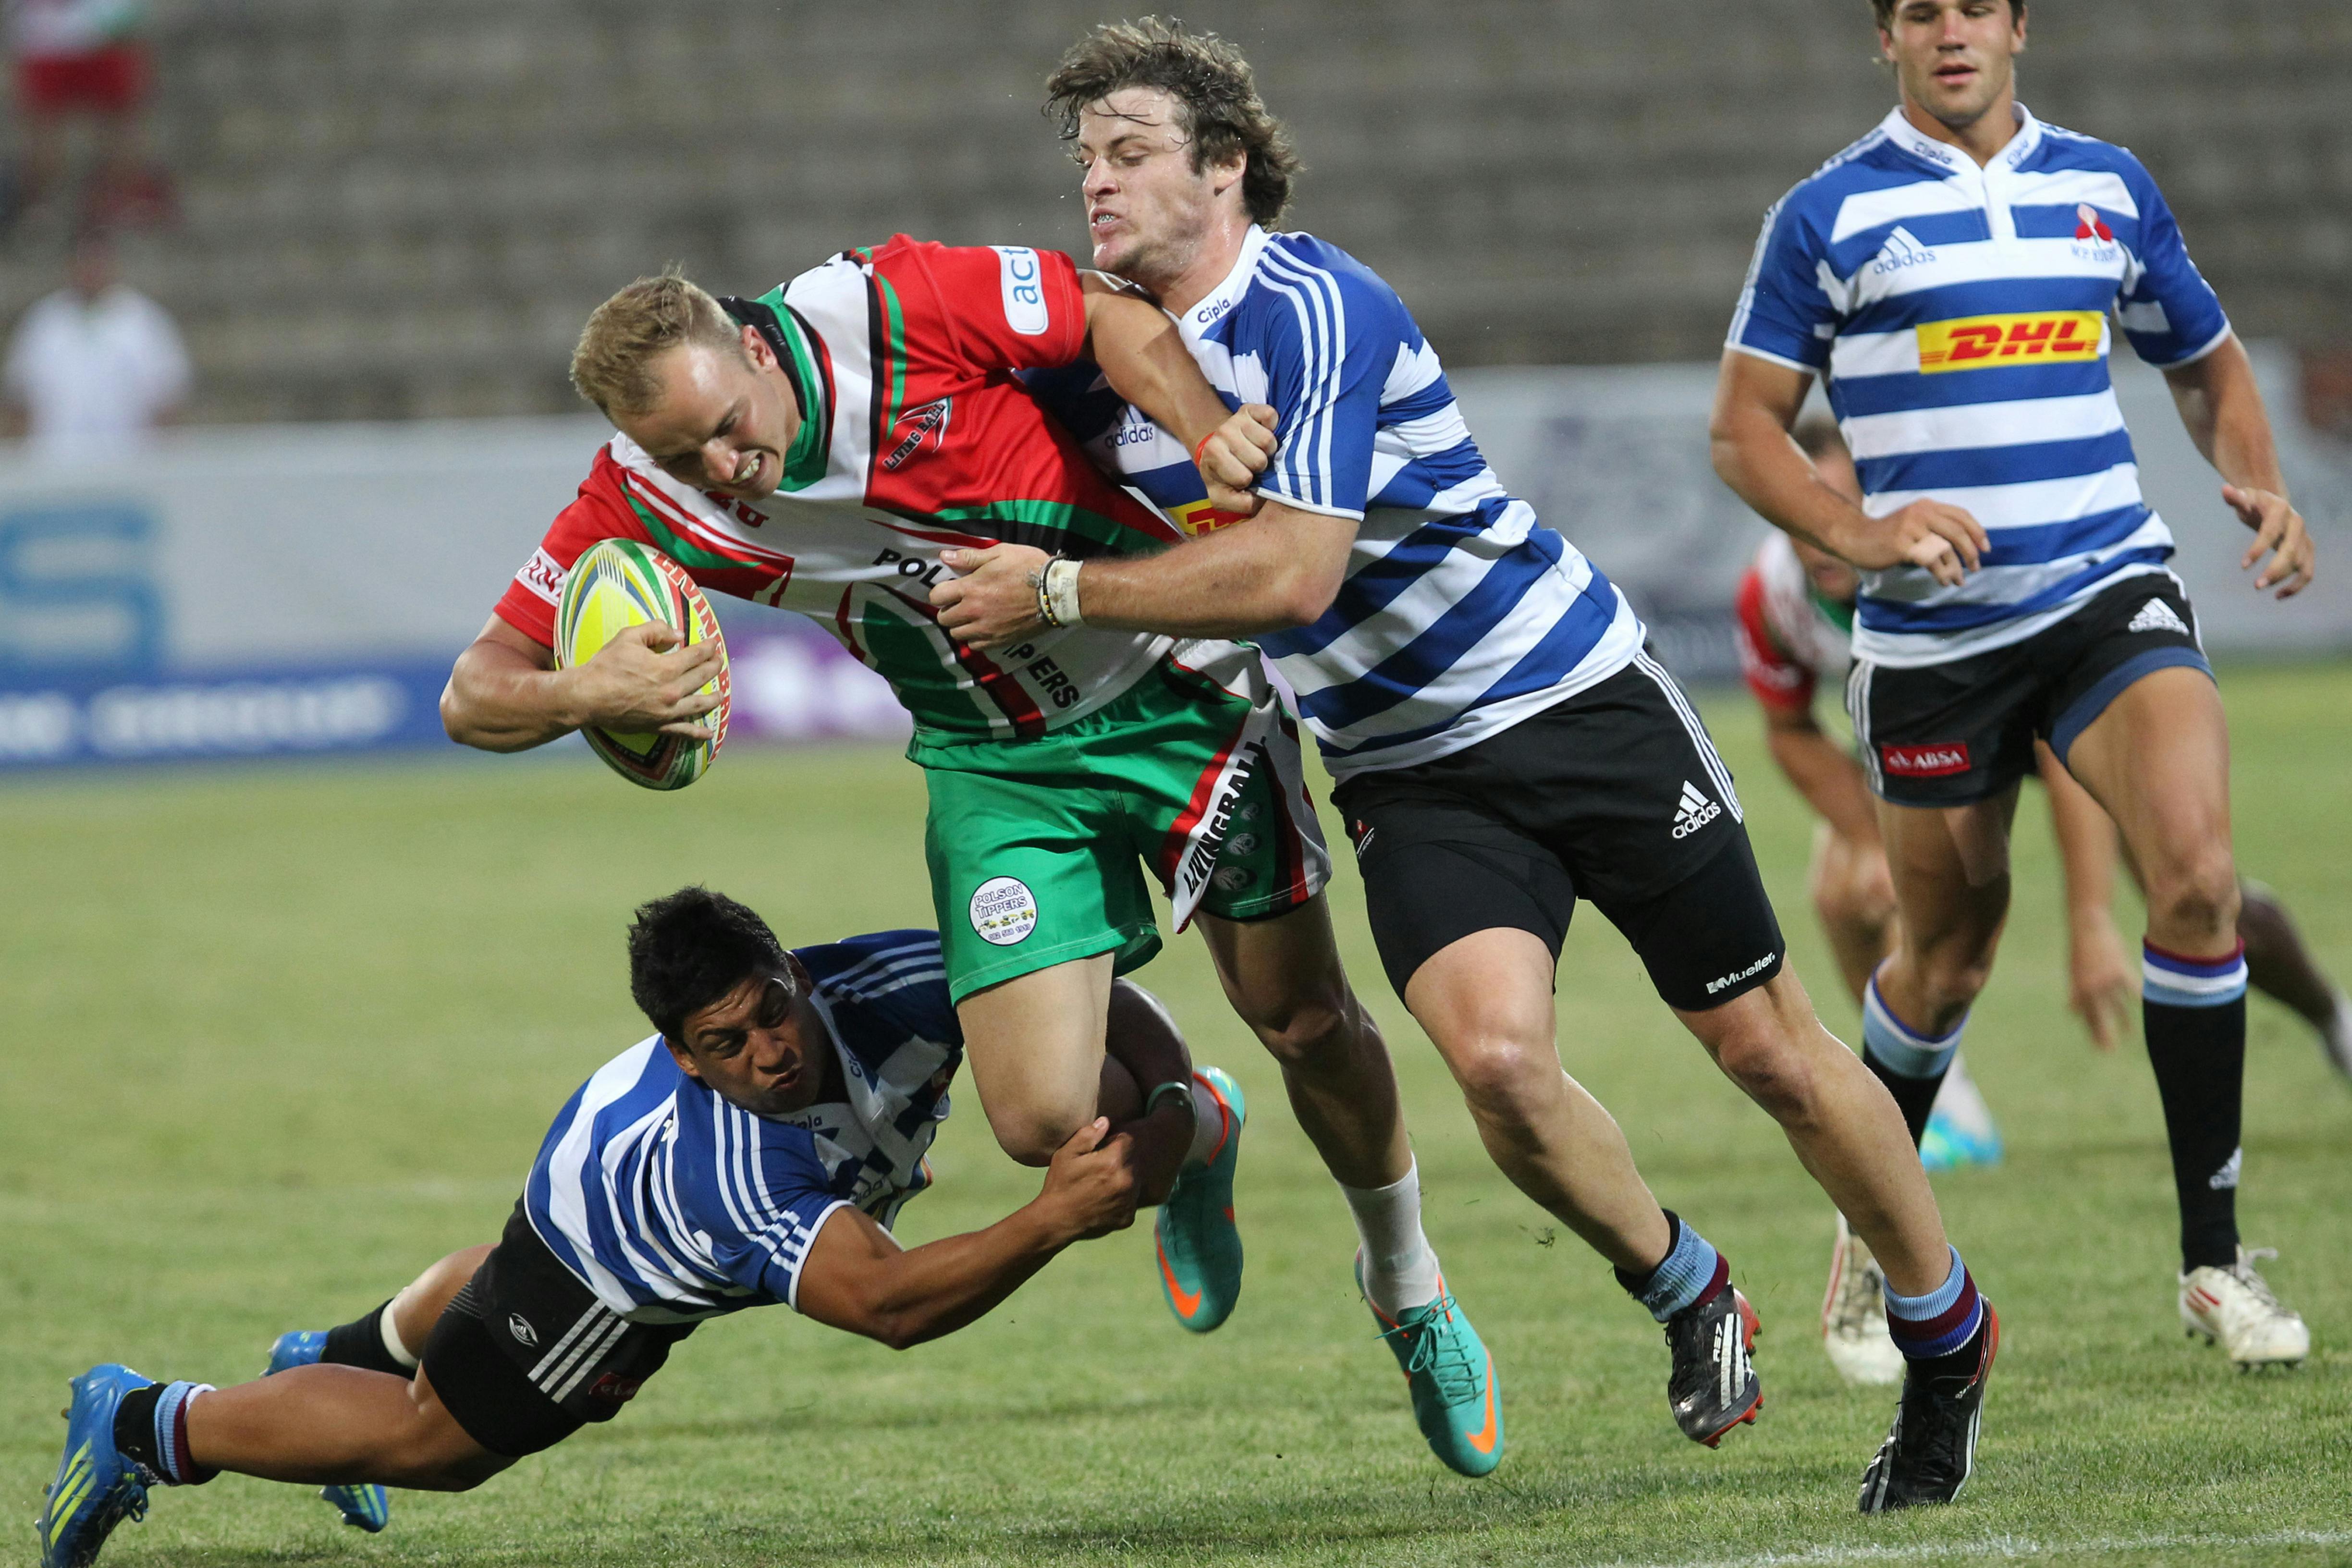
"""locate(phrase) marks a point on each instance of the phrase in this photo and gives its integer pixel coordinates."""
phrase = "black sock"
(1915, 1097)
(2199, 1056)
(360, 1344)
(135, 1427)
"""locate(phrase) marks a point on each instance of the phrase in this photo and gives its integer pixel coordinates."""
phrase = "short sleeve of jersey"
(598, 512)
(1780, 683)
(773, 1206)
(1783, 314)
(994, 307)
(2169, 311)
(1327, 340)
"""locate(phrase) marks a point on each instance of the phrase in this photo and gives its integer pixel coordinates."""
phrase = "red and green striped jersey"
(915, 436)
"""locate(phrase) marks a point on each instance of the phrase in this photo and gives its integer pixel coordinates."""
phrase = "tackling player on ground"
(1795, 624)
(1953, 276)
(818, 448)
(753, 1153)
(1501, 743)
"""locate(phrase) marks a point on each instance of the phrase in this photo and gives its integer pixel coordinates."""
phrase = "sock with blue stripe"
(1911, 1065)
(2194, 1011)
(1691, 1272)
(1939, 1329)
(151, 1430)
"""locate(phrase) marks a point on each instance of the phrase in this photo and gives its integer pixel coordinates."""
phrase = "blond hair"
(609, 367)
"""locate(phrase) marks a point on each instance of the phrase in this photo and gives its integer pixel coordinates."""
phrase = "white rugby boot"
(1854, 1315)
(2234, 1308)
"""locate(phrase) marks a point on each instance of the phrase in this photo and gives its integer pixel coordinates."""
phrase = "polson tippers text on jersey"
(672, 1204)
(1963, 316)
(913, 439)
(1461, 613)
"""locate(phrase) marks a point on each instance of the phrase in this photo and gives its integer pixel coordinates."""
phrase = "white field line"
(2006, 1547)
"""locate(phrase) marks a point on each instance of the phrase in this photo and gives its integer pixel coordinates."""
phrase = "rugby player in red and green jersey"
(816, 449)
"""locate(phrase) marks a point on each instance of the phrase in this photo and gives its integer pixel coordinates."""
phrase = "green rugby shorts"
(1039, 847)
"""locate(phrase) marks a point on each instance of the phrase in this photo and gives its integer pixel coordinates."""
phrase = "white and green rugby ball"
(617, 583)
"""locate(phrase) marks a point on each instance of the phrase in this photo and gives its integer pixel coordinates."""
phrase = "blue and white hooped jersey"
(672, 1204)
(1964, 316)
(1461, 613)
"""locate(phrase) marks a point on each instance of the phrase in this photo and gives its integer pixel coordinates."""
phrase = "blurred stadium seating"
(401, 208)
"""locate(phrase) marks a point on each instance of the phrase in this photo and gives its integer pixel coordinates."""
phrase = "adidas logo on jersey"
(1695, 812)
(2155, 615)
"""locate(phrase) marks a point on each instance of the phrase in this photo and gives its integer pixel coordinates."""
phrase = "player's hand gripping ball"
(617, 583)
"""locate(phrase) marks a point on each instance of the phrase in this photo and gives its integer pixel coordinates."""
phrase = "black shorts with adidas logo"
(1614, 794)
(1954, 733)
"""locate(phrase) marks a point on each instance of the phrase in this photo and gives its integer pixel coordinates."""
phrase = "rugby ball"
(617, 583)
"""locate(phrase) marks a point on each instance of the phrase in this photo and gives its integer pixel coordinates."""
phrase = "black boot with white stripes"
(1713, 1386)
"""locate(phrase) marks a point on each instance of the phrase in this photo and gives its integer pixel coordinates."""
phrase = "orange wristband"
(1198, 446)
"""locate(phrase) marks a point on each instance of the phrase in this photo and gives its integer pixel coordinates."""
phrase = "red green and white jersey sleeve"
(1791, 639)
(916, 437)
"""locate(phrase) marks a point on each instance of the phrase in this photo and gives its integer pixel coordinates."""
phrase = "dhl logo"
(1980, 342)
(1198, 517)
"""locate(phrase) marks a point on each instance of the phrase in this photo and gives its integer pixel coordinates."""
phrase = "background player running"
(1501, 743)
(817, 448)
(1953, 275)
(1795, 624)
(755, 1152)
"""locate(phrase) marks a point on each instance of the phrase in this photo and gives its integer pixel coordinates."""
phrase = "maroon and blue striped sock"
(150, 1429)
(1692, 1271)
(1940, 1328)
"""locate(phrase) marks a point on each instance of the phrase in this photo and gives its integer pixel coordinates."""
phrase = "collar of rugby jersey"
(1210, 309)
(1952, 159)
(789, 339)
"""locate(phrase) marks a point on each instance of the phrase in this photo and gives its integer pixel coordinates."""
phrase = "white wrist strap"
(1060, 594)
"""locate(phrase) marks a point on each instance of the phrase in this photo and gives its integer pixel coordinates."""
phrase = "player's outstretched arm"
(1756, 403)
(505, 693)
(2221, 405)
(856, 1278)
(1825, 773)
(1275, 571)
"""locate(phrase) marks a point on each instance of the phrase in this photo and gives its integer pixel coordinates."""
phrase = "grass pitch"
(275, 1039)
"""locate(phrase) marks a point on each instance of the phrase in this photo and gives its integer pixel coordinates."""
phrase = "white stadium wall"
(302, 589)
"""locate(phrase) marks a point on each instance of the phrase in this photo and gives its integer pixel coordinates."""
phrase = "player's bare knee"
(1505, 1078)
(1306, 1034)
(1030, 1136)
(1770, 1064)
(2199, 894)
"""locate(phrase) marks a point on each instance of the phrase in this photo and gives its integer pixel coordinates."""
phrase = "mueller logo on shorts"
(519, 1327)
(614, 1389)
(1924, 762)
(1982, 342)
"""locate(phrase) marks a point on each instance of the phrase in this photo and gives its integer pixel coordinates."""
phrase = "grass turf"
(277, 1038)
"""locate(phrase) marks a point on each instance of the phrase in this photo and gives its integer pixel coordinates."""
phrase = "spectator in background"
(95, 366)
(84, 57)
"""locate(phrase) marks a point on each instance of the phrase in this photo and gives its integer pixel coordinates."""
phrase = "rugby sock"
(1940, 1328)
(1208, 1123)
(1911, 1065)
(1691, 1272)
(1399, 1266)
(367, 1342)
(150, 1429)
(2194, 1010)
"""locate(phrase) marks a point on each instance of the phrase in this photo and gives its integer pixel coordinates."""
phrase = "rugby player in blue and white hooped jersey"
(753, 1153)
(1958, 278)
(1503, 745)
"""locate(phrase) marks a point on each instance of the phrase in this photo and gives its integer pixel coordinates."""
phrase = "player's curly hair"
(691, 949)
(624, 332)
(1885, 11)
(1208, 78)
